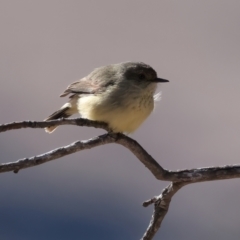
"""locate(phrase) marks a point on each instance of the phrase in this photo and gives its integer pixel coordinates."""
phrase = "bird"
(121, 95)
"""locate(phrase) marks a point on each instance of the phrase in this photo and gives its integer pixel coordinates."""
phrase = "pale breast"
(124, 117)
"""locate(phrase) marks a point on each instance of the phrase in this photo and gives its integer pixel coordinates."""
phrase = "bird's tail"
(61, 113)
(67, 110)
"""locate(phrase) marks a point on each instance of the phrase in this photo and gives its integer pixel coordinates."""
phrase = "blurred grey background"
(97, 194)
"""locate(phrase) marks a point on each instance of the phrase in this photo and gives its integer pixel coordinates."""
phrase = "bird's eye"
(141, 76)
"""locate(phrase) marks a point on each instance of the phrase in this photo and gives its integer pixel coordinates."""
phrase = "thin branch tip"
(149, 202)
(82, 122)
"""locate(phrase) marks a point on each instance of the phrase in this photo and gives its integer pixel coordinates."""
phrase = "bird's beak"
(160, 80)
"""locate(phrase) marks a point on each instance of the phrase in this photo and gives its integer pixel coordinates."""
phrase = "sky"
(97, 194)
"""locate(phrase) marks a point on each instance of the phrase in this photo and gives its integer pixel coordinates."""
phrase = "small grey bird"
(121, 95)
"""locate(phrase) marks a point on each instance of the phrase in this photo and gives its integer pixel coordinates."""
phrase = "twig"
(63, 121)
(161, 205)
(56, 153)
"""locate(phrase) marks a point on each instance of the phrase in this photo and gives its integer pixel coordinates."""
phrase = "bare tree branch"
(161, 205)
(177, 178)
(62, 121)
(186, 175)
(56, 153)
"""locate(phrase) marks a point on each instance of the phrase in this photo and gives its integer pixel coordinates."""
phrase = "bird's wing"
(83, 86)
